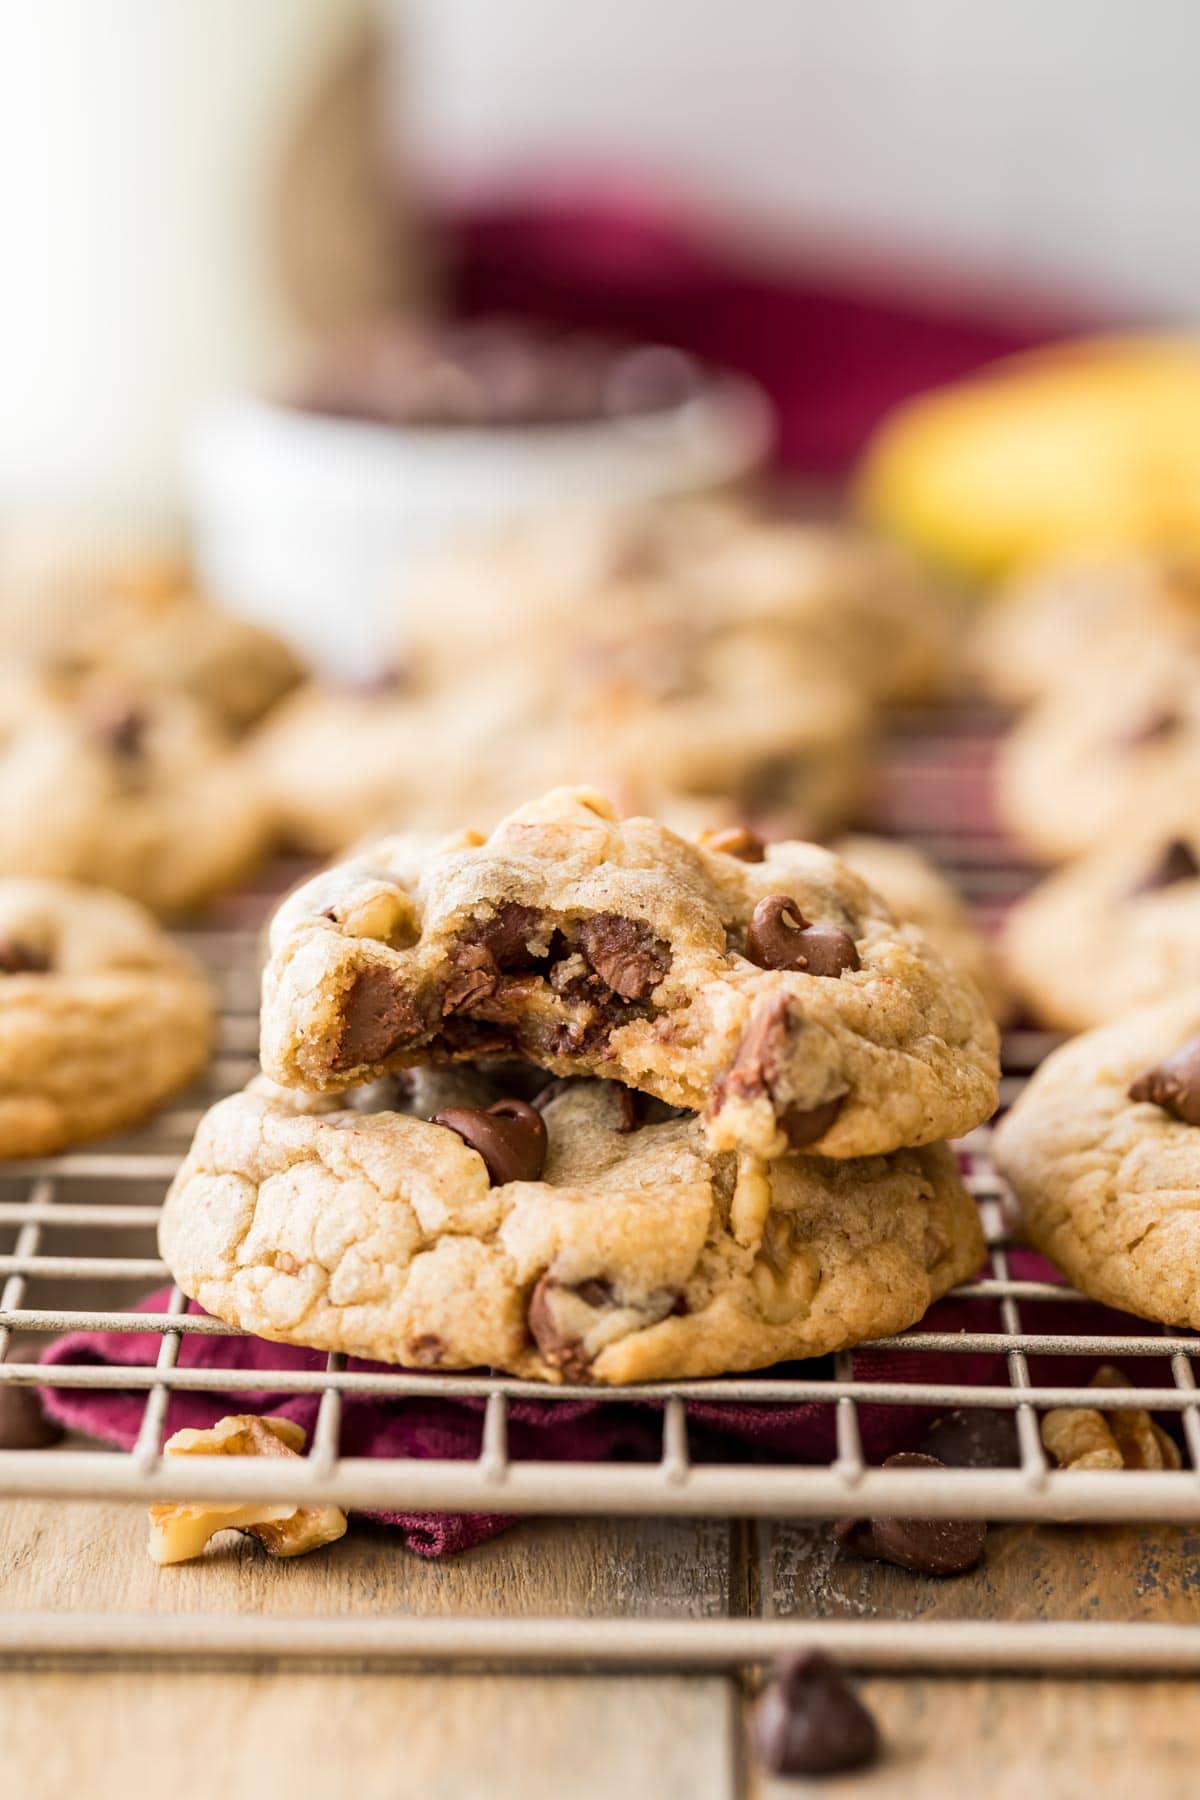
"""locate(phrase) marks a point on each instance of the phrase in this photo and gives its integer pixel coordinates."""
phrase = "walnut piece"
(180, 1532)
(1084, 1437)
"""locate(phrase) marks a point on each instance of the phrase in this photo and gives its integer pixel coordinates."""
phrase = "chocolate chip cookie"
(740, 721)
(778, 996)
(578, 1239)
(1103, 1153)
(1090, 763)
(101, 1016)
(138, 620)
(853, 603)
(134, 791)
(1077, 620)
(1117, 929)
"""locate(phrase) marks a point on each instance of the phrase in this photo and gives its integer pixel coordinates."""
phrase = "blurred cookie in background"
(137, 617)
(734, 722)
(1089, 764)
(843, 598)
(1115, 930)
(1081, 617)
(132, 790)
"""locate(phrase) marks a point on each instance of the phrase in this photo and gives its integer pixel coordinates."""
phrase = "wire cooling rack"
(78, 1237)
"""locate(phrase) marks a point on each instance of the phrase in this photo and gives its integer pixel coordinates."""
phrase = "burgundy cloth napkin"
(568, 1430)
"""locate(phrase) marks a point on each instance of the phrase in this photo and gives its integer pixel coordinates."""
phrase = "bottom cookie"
(594, 1240)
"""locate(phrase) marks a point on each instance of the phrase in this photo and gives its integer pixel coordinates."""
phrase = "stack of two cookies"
(584, 1100)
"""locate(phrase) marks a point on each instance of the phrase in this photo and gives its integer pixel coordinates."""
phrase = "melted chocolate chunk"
(755, 1071)
(624, 953)
(473, 978)
(426, 1350)
(780, 937)
(510, 1136)
(1173, 1084)
(802, 1126)
(810, 1722)
(925, 1546)
(377, 1018)
(1177, 863)
(20, 958)
(558, 1346)
(506, 935)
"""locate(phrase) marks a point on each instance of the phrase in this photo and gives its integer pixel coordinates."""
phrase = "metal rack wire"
(112, 1194)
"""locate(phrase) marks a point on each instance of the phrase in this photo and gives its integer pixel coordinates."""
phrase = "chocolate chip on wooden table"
(1173, 1084)
(1177, 863)
(924, 1546)
(780, 937)
(20, 958)
(811, 1722)
(23, 1424)
(510, 1136)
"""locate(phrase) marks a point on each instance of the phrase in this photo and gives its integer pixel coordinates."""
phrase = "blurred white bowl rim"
(307, 524)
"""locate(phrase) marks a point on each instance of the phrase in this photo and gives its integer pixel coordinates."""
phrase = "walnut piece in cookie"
(360, 1223)
(779, 997)
(102, 1017)
(180, 1531)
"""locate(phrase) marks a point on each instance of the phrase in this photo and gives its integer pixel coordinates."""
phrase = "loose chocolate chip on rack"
(811, 1722)
(20, 958)
(624, 953)
(780, 937)
(1177, 863)
(1174, 1084)
(974, 1437)
(510, 1137)
(925, 1546)
(736, 840)
(23, 1424)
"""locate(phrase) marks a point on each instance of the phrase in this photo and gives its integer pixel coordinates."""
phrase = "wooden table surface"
(282, 1735)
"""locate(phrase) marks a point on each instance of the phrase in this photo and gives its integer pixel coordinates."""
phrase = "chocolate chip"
(624, 953)
(560, 1346)
(974, 1437)
(506, 935)
(377, 1017)
(811, 1722)
(510, 1137)
(20, 958)
(473, 978)
(123, 733)
(1173, 1084)
(1177, 863)
(803, 1126)
(1155, 728)
(780, 937)
(924, 1546)
(426, 1350)
(736, 840)
(23, 1424)
(755, 1070)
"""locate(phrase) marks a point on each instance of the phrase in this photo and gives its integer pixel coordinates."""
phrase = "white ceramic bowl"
(307, 523)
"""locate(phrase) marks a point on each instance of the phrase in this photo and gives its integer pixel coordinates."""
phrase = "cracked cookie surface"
(101, 1016)
(1109, 1185)
(637, 1255)
(779, 996)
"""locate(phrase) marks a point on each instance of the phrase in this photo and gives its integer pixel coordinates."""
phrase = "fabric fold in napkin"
(601, 1430)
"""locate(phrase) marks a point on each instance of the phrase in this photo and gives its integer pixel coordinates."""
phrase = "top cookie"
(780, 997)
